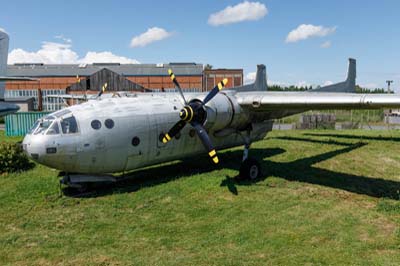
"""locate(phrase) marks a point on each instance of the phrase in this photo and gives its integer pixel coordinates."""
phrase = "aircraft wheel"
(250, 169)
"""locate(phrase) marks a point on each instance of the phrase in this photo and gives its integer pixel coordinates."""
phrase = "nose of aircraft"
(34, 147)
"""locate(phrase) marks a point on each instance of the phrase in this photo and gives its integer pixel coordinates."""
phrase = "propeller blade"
(205, 139)
(103, 89)
(173, 131)
(215, 90)
(173, 78)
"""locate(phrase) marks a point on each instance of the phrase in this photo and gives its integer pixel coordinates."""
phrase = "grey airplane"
(90, 141)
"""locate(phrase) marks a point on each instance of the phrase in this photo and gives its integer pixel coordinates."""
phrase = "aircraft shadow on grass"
(348, 136)
(301, 170)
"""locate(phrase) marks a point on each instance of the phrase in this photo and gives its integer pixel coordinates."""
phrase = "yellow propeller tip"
(225, 81)
(164, 140)
(215, 159)
(169, 71)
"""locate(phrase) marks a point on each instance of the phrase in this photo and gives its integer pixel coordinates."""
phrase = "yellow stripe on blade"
(215, 159)
(171, 74)
(212, 153)
(222, 84)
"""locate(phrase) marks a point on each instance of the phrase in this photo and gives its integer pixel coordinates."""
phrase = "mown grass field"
(325, 198)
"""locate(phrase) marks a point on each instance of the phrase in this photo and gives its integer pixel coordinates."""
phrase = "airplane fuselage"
(121, 134)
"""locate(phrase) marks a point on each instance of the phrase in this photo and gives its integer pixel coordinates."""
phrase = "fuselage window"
(135, 141)
(109, 123)
(96, 124)
(69, 125)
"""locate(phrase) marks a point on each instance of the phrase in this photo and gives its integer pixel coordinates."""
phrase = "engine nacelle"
(225, 112)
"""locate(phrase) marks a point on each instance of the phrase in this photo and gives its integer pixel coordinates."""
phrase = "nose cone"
(35, 147)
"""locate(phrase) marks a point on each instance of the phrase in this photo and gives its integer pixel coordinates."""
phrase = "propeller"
(103, 89)
(195, 114)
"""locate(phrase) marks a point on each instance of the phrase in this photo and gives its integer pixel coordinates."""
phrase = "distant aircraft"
(6, 108)
(103, 136)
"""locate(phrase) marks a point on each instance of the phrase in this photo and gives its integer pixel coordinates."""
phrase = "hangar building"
(88, 78)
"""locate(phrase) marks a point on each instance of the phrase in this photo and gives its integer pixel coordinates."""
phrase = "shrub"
(12, 158)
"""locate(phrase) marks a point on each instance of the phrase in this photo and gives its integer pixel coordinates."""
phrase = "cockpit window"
(34, 127)
(53, 129)
(69, 125)
(43, 126)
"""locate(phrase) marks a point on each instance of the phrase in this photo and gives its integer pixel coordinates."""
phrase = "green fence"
(19, 124)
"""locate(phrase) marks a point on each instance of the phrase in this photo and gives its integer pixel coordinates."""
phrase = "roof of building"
(224, 70)
(66, 70)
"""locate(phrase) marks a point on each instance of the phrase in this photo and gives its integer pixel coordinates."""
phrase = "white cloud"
(151, 35)
(305, 31)
(250, 77)
(61, 53)
(326, 44)
(106, 57)
(61, 37)
(238, 13)
(327, 83)
(302, 84)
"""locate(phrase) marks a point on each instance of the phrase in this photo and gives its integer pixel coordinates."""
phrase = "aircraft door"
(91, 148)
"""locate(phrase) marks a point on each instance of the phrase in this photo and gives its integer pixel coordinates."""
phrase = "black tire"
(250, 169)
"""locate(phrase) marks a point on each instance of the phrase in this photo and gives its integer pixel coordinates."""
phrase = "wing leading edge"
(303, 101)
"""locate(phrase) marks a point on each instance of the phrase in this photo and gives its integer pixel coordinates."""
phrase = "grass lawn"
(325, 198)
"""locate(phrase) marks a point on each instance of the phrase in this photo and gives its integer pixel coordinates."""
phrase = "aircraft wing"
(7, 108)
(303, 101)
(2, 78)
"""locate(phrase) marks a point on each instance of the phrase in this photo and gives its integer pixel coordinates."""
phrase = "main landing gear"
(250, 168)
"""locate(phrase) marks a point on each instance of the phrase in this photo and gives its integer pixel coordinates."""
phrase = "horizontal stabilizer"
(349, 85)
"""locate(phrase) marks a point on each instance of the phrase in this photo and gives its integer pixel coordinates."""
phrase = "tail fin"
(260, 83)
(351, 73)
(4, 40)
(349, 85)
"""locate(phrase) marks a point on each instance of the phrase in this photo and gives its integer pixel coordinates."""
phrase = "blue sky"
(366, 30)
